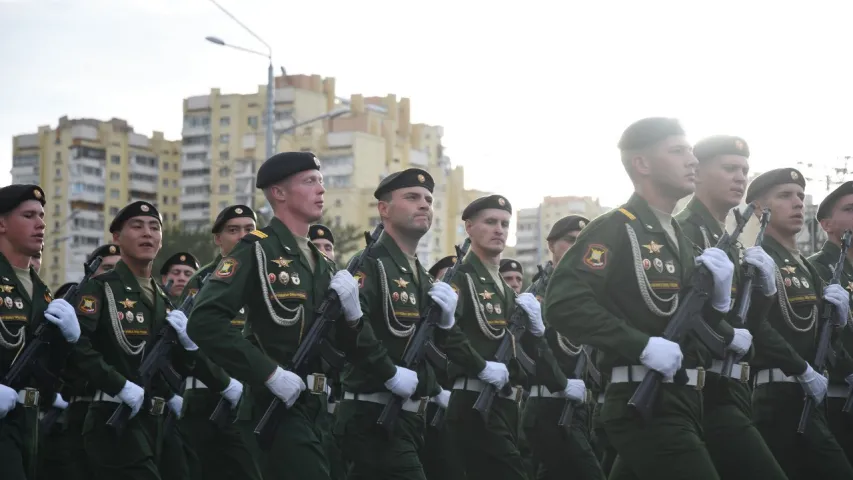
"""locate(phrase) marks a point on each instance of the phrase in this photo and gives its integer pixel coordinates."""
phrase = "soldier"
(617, 288)
(394, 290)
(323, 239)
(26, 300)
(178, 269)
(110, 255)
(281, 277)
(782, 376)
(834, 215)
(735, 445)
(489, 450)
(120, 312)
(223, 450)
(512, 273)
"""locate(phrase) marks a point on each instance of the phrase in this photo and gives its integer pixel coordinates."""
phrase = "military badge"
(284, 277)
(658, 263)
(8, 302)
(359, 276)
(404, 297)
(804, 282)
(295, 279)
(129, 316)
(595, 256)
(486, 295)
(412, 300)
(653, 247)
(647, 264)
(128, 303)
(281, 262)
(796, 281)
(401, 283)
(490, 308)
(19, 303)
(787, 282)
(395, 296)
(226, 267)
(670, 267)
(271, 277)
(88, 304)
(498, 309)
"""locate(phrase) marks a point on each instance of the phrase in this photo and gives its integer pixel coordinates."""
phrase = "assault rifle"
(420, 345)
(314, 343)
(685, 319)
(825, 336)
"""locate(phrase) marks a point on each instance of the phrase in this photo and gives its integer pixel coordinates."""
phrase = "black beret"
(282, 165)
(770, 179)
(13, 195)
(234, 211)
(63, 289)
(316, 232)
(828, 203)
(411, 177)
(482, 203)
(104, 251)
(566, 225)
(649, 131)
(710, 147)
(445, 262)
(180, 258)
(136, 209)
(510, 265)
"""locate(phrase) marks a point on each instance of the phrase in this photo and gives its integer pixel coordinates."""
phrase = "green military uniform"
(268, 273)
(778, 398)
(604, 451)
(489, 449)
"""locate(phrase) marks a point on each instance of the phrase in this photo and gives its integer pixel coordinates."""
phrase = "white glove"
(442, 399)
(741, 342)
(722, 269)
(233, 392)
(132, 395)
(403, 383)
(60, 402)
(662, 356)
(765, 267)
(813, 383)
(285, 385)
(575, 390)
(444, 296)
(61, 313)
(178, 321)
(533, 309)
(346, 287)
(495, 373)
(838, 296)
(176, 403)
(8, 400)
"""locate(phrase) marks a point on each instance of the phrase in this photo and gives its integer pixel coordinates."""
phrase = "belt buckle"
(319, 387)
(158, 405)
(700, 378)
(422, 406)
(31, 397)
(744, 372)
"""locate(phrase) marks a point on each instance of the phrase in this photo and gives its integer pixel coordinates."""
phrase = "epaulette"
(255, 235)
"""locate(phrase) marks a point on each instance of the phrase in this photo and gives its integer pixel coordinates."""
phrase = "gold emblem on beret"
(183, 258)
(501, 201)
(421, 178)
(581, 224)
(513, 265)
(739, 145)
(112, 249)
(317, 162)
(320, 232)
(37, 194)
(453, 260)
(238, 210)
(794, 175)
(144, 208)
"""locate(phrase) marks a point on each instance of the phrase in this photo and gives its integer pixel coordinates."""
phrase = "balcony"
(199, 102)
(196, 148)
(187, 198)
(285, 95)
(250, 141)
(194, 164)
(339, 139)
(195, 130)
(84, 132)
(418, 158)
(195, 181)
(89, 197)
(195, 215)
(143, 186)
(27, 171)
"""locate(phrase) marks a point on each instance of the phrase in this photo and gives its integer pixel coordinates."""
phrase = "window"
(165, 200)
(224, 121)
(145, 161)
(223, 155)
(165, 182)
(224, 138)
(337, 222)
(224, 171)
(115, 160)
(174, 184)
(58, 173)
(198, 140)
(113, 211)
(338, 202)
(115, 176)
(114, 193)
(224, 188)
(196, 121)
(225, 105)
(253, 121)
(55, 261)
(174, 217)
(165, 165)
(222, 205)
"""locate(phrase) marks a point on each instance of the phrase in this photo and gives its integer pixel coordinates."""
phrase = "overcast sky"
(542, 86)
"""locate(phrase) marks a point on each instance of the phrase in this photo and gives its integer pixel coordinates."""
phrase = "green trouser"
(531, 463)
(561, 454)
(668, 446)
(19, 443)
(374, 454)
(813, 454)
(439, 455)
(604, 451)
(62, 453)
(489, 449)
(223, 453)
(133, 455)
(735, 445)
(337, 466)
(296, 451)
(840, 423)
(178, 461)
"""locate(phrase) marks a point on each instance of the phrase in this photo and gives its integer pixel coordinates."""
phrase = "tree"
(349, 239)
(175, 239)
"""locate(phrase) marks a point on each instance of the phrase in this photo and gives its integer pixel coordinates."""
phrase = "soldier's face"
(841, 218)
(107, 263)
(723, 179)
(179, 275)
(786, 204)
(303, 195)
(326, 247)
(489, 229)
(23, 228)
(232, 232)
(514, 280)
(562, 245)
(670, 166)
(409, 210)
(140, 238)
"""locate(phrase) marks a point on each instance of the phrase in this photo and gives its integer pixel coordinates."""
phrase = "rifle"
(825, 335)
(582, 365)
(314, 343)
(685, 319)
(745, 293)
(419, 345)
(510, 343)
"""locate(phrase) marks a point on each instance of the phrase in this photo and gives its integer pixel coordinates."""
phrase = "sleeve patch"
(595, 256)
(88, 305)
(227, 267)
(359, 277)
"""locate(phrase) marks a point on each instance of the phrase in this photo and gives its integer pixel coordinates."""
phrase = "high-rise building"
(89, 170)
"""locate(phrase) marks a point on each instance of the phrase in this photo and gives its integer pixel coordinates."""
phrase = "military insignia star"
(653, 247)
(790, 269)
(401, 283)
(127, 303)
(487, 295)
(281, 262)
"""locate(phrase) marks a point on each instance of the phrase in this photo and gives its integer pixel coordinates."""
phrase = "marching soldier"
(120, 312)
(783, 376)
(110, 256)
(394, 290)
(26, 303)
(735, 445)
(178, 269)
(323, 239)
(617, 288)
(489, 450)
(512, 273)
(223, 451)
(834, 216)
(281, 277)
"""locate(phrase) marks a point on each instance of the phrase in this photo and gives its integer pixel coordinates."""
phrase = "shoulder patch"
(227, 267)
(359, 277)
(88, 304)
(253, 237)
(595, 256)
